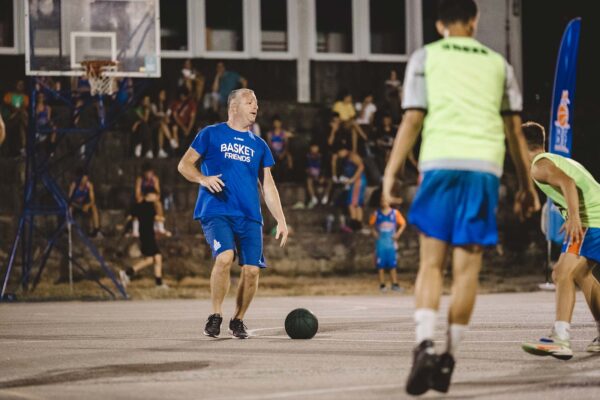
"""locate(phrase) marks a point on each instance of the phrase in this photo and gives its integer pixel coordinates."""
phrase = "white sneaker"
(138, 150)
(174, 144)
(162, 154)
(164, 286)
(313, 202)
(594, 347)
(325, 200)
(149, 154)
(298, 206)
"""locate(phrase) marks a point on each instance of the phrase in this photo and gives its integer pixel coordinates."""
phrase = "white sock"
(425, 320)
(135, 227)
(562, 329)
(455, 335)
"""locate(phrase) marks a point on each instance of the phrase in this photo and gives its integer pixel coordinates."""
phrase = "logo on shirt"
(216, 245)
(238, 138)
(562, 124)
(237, 151)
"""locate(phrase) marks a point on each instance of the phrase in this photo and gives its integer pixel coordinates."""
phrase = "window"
(173, 25)
(334, 26)
(224, 25)
(430, 33)
(274, 25)
(388, 26)
(7, 24)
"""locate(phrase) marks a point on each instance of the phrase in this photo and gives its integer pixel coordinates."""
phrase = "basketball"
(301, 324)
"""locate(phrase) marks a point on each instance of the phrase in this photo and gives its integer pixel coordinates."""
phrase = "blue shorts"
(457, 207)
(589, 247)
(356, 193)
(386, 258)
(240, 234)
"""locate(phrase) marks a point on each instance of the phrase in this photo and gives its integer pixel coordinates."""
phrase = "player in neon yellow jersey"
(577, 194)
(466, 99)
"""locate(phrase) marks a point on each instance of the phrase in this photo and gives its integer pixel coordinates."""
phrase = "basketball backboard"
(59, 34)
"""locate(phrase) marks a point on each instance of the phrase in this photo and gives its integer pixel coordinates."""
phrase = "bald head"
(242, 108)
(236, 95)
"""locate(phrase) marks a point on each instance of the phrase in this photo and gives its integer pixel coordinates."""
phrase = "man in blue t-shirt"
(233, 162)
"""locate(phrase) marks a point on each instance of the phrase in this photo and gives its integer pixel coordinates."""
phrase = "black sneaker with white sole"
(238, 329)
(425, 363)
(213, 325)
(443, 374)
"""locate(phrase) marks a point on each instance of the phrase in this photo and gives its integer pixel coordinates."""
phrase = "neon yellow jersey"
(464, 87)
(589, 189)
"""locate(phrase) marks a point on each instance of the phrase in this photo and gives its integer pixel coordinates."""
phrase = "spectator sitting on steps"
(83, 200)
(147, 189)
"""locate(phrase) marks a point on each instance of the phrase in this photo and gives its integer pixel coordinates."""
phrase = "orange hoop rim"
(94, 68)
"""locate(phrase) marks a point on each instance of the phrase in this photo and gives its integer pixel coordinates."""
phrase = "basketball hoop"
(95, 72)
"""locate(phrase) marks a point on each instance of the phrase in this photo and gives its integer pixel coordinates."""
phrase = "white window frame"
(204, 53)
(292, 34)
(14, 49)
(312, 35)
(412, 12)
(189, 53)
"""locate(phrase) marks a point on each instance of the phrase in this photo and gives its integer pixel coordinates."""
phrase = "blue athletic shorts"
(589, 247)
(356, 193)
(240, 234)
(385, 258)
(458, 207)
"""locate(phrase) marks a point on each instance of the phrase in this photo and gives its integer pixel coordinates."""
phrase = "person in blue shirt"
(225, 82)
(387, 224)
(234, 163)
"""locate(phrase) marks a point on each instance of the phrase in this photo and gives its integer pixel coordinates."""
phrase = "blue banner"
(561, 116)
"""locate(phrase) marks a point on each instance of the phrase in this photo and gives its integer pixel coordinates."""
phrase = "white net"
(100, 82)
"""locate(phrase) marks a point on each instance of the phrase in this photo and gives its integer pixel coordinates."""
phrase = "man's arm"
(400, 230)
(157, 185)
(187, 168)
(405, 139)
(526, 199)
(360, 167)
(138, 190)
(2, 130)
(273, 202)
(544, 171)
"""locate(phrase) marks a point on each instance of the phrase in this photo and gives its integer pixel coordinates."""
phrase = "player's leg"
(246, 289)
(129, 272)
(428, 290)
(158, 272)
(394, 277)
(220, 280)
(381, 273)
(466, 264)
(248, 235)
(587, 278)
(219, 236)
(558, 344)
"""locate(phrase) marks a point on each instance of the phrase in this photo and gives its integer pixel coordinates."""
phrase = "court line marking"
(315, 392)
(394, 341)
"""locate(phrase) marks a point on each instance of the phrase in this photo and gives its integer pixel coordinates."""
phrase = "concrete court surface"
(155, 350)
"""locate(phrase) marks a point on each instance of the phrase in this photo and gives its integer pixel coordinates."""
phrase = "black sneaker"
(441, 377)
(213, 325)
(238, 329)
(424, 366)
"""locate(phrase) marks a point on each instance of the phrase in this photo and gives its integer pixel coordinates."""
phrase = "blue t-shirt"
(229, 82)
(240, 157)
